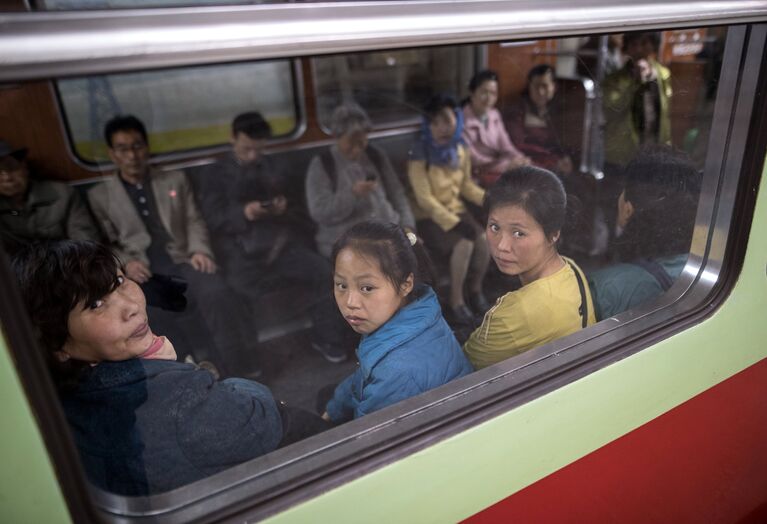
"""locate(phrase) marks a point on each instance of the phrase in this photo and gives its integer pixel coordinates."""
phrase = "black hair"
(539, 70)
(538, 191)
(252, 124)
(663, 186)
(389, 245)
(123, 123)
(633, 36)
(437, 103)
(481, 77)
(54, 278)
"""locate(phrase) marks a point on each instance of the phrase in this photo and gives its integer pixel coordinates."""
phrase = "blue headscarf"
(439, 154)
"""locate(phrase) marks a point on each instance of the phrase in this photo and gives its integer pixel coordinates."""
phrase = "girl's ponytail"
(425, 273)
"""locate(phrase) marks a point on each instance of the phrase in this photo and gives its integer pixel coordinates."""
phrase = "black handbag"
(166, 292)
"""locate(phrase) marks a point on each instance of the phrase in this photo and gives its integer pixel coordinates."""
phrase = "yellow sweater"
(437, 191)
(535, 314)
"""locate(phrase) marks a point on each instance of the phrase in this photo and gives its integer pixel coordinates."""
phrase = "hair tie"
(412, 238)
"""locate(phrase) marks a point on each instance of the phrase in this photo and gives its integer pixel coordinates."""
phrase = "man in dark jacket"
(258, 232)
(33, 210)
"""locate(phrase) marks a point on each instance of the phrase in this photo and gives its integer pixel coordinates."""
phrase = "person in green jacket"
(636, 100)
(526, 211)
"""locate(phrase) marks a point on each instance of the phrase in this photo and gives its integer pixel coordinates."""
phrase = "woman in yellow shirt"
(526, 210)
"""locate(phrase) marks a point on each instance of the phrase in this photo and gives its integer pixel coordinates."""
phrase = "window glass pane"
(390, 85)
(184, 108)
(233, 257)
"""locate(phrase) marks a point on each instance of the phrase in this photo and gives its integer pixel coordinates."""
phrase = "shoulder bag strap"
(583, 310)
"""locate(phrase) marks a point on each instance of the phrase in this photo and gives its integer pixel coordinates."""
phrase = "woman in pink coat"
(491, 150)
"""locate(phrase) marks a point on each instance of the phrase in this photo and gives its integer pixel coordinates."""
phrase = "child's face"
(365, 297)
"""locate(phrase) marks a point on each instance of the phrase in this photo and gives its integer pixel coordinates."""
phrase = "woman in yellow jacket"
(526, 210)
(439, 171)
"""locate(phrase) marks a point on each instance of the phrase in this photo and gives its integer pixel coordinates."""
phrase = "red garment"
(539, 142)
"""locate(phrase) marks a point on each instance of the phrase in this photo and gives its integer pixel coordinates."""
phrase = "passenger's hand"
(137, 271)
(565, 165)
(465, 230)
(279, 205)
(203, 263)
(254, 210)
(325, 416)
(518, 161)
(363, 188)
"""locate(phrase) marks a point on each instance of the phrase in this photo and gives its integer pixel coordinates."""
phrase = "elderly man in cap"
(32, 210)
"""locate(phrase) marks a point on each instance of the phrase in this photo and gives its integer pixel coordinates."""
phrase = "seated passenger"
(382, 277)
(152, 222)
(492, 152)
(530, 123)
(526, 211)
(353, 181)
(257, 231)
(440, 175)
(656, 213)
(33, 210)
(142, 422)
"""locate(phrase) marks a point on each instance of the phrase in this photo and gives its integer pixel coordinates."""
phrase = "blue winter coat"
(415, 351)
(147, 426)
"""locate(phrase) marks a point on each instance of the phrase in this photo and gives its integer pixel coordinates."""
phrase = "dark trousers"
(295, 264)
(214, 311)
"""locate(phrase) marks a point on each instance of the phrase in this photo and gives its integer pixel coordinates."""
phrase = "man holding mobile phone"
(260, 234)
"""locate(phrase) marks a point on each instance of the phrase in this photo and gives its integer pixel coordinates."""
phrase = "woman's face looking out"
(114, 328)
(518, 244)
(484, 97)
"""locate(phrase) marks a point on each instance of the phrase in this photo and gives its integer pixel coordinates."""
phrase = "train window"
(163, 99)
(390, 85)
(234, 256)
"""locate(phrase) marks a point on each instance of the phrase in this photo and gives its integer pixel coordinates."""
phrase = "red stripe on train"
(703, 461)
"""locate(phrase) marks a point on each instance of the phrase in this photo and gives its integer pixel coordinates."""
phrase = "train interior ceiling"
(188, 112)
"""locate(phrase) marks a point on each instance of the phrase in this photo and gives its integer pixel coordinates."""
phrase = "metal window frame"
(61, 44)
(269, 484)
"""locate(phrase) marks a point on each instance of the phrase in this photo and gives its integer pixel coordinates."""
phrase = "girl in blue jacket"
(381, 288)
